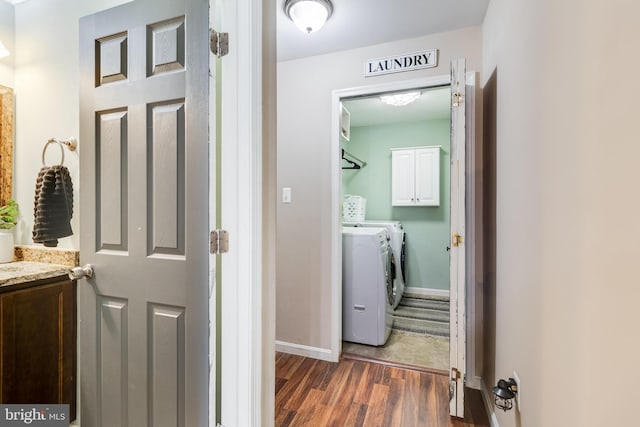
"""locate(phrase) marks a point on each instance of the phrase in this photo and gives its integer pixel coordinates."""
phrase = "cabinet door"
(427, 176)
(39, 345)
(402, 177)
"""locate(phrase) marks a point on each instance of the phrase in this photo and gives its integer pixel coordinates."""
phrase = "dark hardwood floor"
(315, 393)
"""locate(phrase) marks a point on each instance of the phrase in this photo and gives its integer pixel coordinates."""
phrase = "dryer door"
(390, 275)
(403, 264)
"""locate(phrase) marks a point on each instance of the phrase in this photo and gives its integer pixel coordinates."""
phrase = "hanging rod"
(355, 162)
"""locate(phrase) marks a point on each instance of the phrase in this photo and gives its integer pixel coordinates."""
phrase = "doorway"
(379, 133)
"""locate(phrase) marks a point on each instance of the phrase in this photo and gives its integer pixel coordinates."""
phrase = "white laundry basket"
(353, 208)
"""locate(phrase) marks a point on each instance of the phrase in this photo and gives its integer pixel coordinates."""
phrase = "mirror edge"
(6, 143)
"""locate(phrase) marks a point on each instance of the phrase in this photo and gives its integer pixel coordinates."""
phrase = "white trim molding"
(305, 350)
(486, 398)
(241, 215)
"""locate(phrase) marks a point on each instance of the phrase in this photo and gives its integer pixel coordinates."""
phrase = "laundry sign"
(401, 63)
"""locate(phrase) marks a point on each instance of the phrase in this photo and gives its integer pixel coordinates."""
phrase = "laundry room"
(389, 143)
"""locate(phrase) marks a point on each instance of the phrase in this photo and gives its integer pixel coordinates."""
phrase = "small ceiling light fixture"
(3, 51)
(308, 15)
(400, 99)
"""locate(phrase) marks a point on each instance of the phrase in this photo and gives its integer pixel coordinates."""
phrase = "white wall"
(7, 36)
(303, 303)
(567, 208)
(46, 90)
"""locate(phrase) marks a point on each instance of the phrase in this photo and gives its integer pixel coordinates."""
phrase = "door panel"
(144, 214)
(428, 176)
(457, 277)
(112, 344)
(403, 179)
(166, 178)
(111, 173)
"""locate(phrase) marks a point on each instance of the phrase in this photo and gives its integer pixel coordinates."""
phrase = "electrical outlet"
(516, 378)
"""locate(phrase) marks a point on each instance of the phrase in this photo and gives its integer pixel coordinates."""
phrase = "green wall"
(427, 228)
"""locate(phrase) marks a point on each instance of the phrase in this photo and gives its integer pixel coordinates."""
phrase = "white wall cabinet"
(415, 176)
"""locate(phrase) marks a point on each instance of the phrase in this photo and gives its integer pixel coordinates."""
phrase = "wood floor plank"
(426, 397)
(284, 417)
(357, 393)
(280, 382)
(361, 396)
(325, 375)
(310, 412)
(372, 375)
(341, 401)
(295, 384)
(302, 390)
(393, 406)
(337, 384)
(398, 373)
(411, 402)
(442, 399)
(288, 364)
(375, 413)
(355, 416)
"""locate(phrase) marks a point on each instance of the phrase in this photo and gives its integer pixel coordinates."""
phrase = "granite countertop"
(17, 272)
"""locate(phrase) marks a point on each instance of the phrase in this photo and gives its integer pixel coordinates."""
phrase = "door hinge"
(219, 242)
(219, 43)
(456, 99)
(455, 374)
(456, 239)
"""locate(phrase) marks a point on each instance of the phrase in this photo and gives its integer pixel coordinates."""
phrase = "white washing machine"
(397, 236)
(367, 285)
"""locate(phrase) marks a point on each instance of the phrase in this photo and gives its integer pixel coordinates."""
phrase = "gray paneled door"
(144, 214)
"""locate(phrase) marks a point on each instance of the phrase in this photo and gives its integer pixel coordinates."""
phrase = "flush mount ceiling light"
(308, 15)
(400, 99)
(3, 51)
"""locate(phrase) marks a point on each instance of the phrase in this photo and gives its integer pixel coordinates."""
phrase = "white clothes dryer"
(367, 285)
(398, 240)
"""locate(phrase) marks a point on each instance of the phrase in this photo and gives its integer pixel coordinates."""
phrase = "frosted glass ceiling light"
(3, 51)
(400, 99)
(308, 15)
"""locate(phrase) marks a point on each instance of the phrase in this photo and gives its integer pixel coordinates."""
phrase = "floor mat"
(423, 316)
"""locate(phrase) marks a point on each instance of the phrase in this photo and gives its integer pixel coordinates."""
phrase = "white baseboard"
(486, 397)
(306, 351)
(427, 292)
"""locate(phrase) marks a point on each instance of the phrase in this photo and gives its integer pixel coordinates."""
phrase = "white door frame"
(473, 380)
(241, 211)
(336, 185)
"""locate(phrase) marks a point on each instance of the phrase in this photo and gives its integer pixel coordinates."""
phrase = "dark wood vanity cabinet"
(38, 343)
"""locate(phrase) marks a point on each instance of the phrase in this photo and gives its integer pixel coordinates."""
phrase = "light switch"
(286, 195)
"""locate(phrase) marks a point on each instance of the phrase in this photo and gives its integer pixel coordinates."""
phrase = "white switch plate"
(286, 195)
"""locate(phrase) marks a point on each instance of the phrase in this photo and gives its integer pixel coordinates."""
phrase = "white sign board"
(401, 63)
